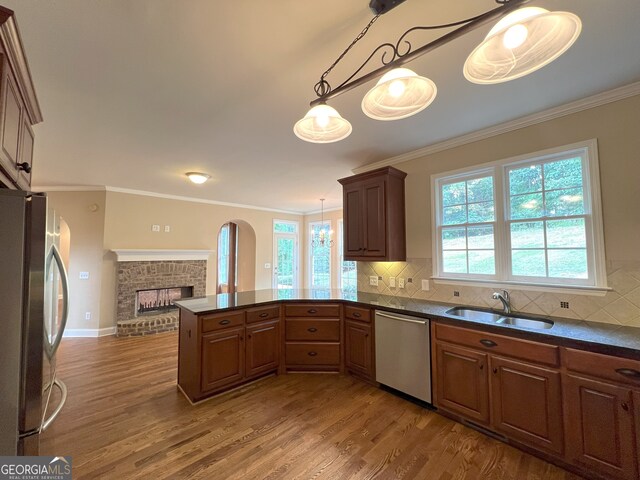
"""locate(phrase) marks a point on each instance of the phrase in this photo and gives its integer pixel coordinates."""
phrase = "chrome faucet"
(504, 298)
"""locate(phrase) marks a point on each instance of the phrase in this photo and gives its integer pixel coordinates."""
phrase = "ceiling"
(135, 93)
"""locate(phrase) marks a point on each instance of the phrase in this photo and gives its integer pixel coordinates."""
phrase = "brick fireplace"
(149, 281)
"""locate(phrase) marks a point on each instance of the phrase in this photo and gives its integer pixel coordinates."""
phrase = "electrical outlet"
(373, 280)
(392, 282)
(456, 293)
(425, 285)
(84, 275)
(409, 280)
(564, 304)
(155, 228)
(167, 228)
(87, 316)
(401, 282)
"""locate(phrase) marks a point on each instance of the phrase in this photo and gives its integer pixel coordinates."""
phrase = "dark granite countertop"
(601, 337)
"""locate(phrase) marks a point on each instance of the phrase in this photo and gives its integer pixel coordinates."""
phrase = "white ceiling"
(136, 92)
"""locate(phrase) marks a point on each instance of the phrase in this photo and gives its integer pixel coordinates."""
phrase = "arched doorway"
(236, 257)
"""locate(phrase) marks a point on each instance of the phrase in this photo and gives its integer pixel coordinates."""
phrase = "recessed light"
(197, 177)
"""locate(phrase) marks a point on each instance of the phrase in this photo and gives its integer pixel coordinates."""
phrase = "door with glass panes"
(285, 265)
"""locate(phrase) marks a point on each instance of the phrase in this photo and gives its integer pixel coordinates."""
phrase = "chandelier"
(524, 40)
(323, 237)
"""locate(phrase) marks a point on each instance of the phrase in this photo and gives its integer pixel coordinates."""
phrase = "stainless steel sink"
(483, 315)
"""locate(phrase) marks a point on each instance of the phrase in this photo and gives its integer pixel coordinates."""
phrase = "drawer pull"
(264, 315)
(312, 354)
(312, 310)
(356, 315)
(488, 343)
(312, 329)
(628, 372)
(224, 322)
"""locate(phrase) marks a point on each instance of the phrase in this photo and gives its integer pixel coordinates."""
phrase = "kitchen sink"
(483, 315)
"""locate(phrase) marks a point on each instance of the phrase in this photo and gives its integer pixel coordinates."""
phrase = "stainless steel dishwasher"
(403, 354)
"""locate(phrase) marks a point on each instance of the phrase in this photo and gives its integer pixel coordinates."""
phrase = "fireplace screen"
(160, 300)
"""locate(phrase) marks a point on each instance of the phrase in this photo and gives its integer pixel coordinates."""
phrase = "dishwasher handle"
(392, 317)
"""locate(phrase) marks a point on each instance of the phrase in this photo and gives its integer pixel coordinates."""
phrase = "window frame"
(310, 253)
(499, 169)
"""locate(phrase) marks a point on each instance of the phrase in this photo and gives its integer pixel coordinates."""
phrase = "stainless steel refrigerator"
(34, 301)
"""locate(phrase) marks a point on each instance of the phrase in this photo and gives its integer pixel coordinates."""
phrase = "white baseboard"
(88, 332)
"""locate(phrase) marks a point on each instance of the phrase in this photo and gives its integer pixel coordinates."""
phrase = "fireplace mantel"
(141, 255)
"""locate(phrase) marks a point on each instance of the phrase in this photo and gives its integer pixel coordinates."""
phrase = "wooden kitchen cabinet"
(19, 108)
(359, 349)
(374, 216)
(527, 403)
(462, 384)
(263, 348)
(223, 358)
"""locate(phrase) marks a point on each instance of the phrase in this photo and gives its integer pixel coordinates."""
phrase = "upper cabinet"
(374, 218)
(19, 108)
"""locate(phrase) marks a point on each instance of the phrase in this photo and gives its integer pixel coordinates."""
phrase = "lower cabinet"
(527, 403)
(263, 348)
(462, 382)
(601, 426)
(358, 348)
(223, 356)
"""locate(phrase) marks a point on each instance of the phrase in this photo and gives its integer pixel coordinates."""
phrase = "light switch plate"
(401, 282)
(392, 282)
(167, 228)
(425, 284)
(87, 316)
(84, 275)
(373, 280)
(267, 265)
(155, 228)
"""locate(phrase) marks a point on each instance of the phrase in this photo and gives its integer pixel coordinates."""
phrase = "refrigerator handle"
(55, 253)
(63, 391)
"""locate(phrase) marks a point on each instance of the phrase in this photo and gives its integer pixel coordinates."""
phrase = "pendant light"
(322, 124)
(522, 42)
(400, 93)
(324, 238)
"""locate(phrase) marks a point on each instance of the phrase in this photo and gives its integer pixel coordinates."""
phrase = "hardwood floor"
(126, 419)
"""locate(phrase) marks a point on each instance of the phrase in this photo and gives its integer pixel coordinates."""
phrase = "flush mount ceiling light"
(197, 177)
(523, 41)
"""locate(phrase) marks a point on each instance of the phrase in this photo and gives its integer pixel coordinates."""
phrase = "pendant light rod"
(506, 7)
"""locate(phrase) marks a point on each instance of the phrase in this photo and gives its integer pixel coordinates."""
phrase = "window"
(285, 254)
(348, 273)
(533, 220)
(319, 257)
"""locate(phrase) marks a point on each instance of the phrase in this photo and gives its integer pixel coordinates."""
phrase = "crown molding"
(144, 193)
(593, 101)
(326, 210)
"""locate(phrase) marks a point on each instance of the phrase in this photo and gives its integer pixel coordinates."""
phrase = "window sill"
(536, 287)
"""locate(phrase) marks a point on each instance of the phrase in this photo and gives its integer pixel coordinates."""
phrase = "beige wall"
(615, 125)
(85, 253)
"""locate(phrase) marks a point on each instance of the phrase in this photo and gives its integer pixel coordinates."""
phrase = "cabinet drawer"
(489, 342)
(313, 329)
(262, 313)
(359, 314)
(313, 353)
(218, 321)
(618, 369)
(312, 310)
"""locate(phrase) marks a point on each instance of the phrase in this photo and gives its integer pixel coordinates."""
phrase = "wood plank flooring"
(125, 419)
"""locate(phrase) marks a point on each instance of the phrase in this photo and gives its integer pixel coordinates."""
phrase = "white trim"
(136, 255)
(534, 287)
(144, 193)
(326, 210)
(593, 101)
(88, 332)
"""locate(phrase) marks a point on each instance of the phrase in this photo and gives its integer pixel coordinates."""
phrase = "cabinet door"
(463, 383)
(10, 121)
(600, 427)
(375, 225)
(263, 347)
(527, 403)
(26, 154)
(353, 221)
(359, 348)
(222, 358)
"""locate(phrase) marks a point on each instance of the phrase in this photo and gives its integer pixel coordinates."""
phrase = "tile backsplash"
(621, 306)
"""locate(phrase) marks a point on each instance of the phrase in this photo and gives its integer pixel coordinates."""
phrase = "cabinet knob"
(495, 370)
(312, 330)
(482, 366)
(312, 354)
(625, 406)
(24, 166)
(248, 336)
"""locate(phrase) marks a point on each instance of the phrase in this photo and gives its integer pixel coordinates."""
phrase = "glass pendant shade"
(322, 124)
(521, 43)
(400, 93)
